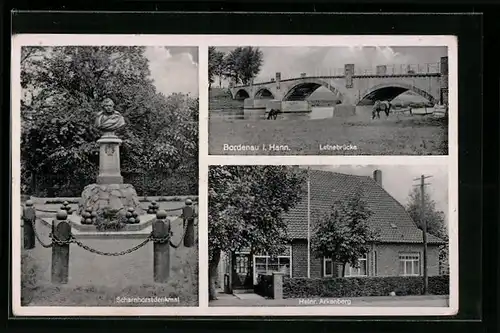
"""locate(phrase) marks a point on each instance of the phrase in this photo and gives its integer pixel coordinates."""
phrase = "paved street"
(383, 301)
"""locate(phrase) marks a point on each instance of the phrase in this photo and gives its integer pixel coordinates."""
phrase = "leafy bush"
(109, 220)
(30, 275)
(363, 286)
(439, 285)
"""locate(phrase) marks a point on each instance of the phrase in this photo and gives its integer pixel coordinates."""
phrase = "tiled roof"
(389, 217)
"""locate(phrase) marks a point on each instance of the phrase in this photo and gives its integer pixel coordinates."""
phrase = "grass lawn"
(406, 135)
(96, 280)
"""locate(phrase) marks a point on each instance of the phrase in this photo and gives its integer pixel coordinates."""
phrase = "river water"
(362, 112)
(241, 114)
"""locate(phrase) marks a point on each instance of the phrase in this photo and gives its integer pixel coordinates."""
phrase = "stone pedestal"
(109, 192)
(109, 160)
(117, 197)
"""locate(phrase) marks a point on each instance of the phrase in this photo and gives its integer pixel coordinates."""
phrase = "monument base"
(109, 159)
(109, 179)
(116, 197)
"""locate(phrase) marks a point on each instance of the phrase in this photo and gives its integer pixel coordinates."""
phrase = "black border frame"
(468, 28)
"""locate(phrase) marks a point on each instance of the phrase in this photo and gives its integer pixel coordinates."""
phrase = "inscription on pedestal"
(109, 149)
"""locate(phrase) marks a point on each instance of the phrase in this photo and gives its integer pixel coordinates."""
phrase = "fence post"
(187, 213)
(278, 285)
(161, 251)
(61, 231)
(29, 218)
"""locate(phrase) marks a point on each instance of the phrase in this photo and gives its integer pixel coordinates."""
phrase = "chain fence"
(73, 239)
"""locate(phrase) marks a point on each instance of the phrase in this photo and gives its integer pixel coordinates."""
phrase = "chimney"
(377, 176)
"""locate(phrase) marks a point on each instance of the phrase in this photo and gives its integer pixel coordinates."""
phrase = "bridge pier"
(255, 104)
(348, 106)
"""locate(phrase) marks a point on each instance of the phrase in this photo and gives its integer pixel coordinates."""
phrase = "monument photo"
(108, 176)
(335, 100)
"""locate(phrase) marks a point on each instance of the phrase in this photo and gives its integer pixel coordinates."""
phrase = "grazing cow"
(381, 106)
(273, 114)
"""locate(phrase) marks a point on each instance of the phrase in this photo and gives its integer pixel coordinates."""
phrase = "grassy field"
(96, 280)
(397, 135)
(403, 135)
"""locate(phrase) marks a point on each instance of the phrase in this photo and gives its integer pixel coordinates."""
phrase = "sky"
(174, 69)
(291, 61)
(398, 180)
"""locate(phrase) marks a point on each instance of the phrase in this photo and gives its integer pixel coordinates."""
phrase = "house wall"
(387, 263)
(299, 254)
(383, 260)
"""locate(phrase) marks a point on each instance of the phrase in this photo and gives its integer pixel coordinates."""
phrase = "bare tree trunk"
(212, 274)
(343, 269)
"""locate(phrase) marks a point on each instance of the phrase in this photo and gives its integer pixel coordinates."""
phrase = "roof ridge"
(340, 173)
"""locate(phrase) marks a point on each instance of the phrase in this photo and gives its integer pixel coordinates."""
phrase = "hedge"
(363, 286)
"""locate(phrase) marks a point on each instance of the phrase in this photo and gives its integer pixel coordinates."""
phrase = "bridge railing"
(393, 69)
(401, 69)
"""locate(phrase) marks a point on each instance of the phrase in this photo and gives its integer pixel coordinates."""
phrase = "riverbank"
(422, 135)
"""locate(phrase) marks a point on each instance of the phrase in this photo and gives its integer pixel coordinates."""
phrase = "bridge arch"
(264, 93)
(304, 88)
(241, 94)
(389, 91)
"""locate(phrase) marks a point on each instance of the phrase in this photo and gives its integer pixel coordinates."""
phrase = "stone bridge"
(352, 88)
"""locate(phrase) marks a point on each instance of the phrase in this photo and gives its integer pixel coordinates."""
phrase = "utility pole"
(423, 224)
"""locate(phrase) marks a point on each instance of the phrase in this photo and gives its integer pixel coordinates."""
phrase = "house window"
(360, 270)
(409, 264)
(242, 264)
(327, 267)
(267, 264)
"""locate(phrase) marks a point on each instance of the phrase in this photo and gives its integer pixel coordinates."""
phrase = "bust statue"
(109, 120)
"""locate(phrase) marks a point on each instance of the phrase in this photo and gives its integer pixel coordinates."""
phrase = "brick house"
(399, 250)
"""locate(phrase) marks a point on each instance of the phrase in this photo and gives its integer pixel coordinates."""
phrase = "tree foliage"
(62, 91)
(240, 65)
(343, 233)
(434, 218)
(216, 65)
(243, 64)
(246, 204)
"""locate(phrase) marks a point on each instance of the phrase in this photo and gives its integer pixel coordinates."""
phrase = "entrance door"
(242, 275)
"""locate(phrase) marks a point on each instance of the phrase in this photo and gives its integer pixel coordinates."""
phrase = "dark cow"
(381, 106)
(273, 114)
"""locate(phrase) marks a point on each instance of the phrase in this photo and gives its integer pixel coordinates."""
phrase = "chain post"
(161, 249)
(61, 237)
(29, 219)
(187, 214)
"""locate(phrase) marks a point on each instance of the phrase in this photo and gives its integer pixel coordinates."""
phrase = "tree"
(245, 207)
(62, 91)
(434, 218)
(216, 65)
(243, 64)
(343, 233)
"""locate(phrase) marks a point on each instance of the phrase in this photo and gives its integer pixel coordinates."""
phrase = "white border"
(203, 41)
